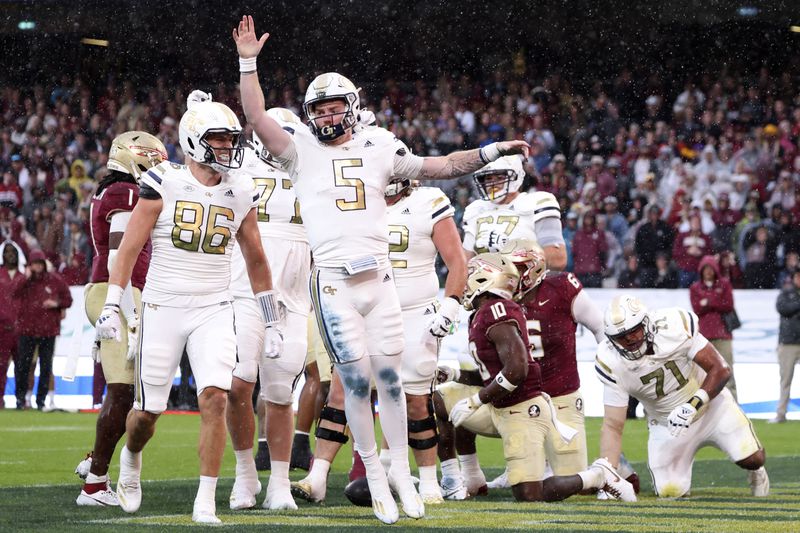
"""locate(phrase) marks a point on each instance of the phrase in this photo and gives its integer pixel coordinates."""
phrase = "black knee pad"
(417, 426)
(336, 416)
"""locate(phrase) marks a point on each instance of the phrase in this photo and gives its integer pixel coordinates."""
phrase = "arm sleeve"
(586, 312)
(406, 164)
(119, 221)
(549, 231)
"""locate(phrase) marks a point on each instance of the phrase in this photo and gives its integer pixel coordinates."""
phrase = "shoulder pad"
(475, 209)
(602, 367)
(545, 205)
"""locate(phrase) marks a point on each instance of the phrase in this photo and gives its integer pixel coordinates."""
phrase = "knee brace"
(336, 416)
(418, 426)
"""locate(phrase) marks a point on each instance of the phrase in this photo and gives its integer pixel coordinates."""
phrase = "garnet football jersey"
(117, 197)
(491, 313)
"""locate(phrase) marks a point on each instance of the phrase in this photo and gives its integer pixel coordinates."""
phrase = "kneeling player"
(522, 415)
(661, 359)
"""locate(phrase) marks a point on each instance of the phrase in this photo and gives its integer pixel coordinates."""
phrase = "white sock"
(428, 473)
(392, 400)
(319, 471)
(280, 472)
(385, 458)
(372, 463)
(245, 463)
(593, 478)
(469, 463)
(91, 478)
(450, 468)
(207, 490)
(130, 459)
(400, 460)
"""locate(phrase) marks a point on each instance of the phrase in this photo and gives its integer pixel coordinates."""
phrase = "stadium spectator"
(11, 260)
(46, 296)
(760, 249)
(667, 276)
(788, 306)
(616, 223)
(589, 251)
(687, 249)
(712, 297)
(652, 237)
(629, 278)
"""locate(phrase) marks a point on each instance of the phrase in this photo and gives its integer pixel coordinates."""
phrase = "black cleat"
(301, 453)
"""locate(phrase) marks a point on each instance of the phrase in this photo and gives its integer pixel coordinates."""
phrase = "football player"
(340, 169)
(511, 391)
(131, 154)
(661, 359)
(191, 212)
(282, 235)
(503, 213)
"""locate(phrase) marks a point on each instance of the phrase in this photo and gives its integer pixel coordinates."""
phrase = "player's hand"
(680, 418)
(463, 409)
(445, 321)
(247, 44)
(96, 348)
(446, 374)
(514, 147)
(273, 342)
(492, 241)
(197, 96)
(133, 337)
(109, 326)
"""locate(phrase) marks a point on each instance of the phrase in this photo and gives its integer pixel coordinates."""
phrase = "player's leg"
(162, 336)
(211, 347)
(239, 415)
(732, 432)
(262, 454)
(329, 436)
(307, 412)
(670, 462)
(279, 377)
(452, 486)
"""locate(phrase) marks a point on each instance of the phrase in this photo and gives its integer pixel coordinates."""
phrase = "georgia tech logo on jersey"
(534, 411)
(327, 289)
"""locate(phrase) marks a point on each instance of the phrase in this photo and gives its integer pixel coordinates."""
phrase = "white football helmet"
(510, 173)
(286, 119)
(202, 120)
(626, 314)
(529, 258)
(397, 186)
(492, 274)
(332, 86)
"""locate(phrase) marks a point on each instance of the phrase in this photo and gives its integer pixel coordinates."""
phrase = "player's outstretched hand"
(680, 419)
(247, 44)
(446, 374)
(514, 147)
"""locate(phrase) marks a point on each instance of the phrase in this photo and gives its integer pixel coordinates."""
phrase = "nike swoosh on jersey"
(544, 302)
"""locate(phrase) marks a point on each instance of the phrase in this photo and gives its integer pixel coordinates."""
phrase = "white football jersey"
(516, 219)
(194, 235)
(661, 381)
(341, 191)
(411, 248)
(278, 215)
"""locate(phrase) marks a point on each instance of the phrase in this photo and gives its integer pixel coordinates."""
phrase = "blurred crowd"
(652, 174)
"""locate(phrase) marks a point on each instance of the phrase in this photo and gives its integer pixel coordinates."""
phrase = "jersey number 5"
(338, 173)
(189, 230)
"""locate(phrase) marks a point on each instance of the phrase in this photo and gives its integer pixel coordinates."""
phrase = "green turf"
(38, 452)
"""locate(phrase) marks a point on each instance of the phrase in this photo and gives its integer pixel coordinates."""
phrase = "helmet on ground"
(490, 273)
(199, 123)
(500, 178)
(326, 87)
(135, 152)
(628, 327)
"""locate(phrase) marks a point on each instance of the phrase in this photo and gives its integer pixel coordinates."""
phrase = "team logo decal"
(327, 289)
(534, 411)
(579, 404)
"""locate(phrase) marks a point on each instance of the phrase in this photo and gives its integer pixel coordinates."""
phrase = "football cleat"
(413, 505)
(614, 485)
(101, 498)
(476, 484)
(205, 513)
(279, 496)
(500, 482)
(242, 496)
(430, 493)
(759, 482)
(357, 491)
(82, 470)
(383, 505)
(307, 491)
(454, 488)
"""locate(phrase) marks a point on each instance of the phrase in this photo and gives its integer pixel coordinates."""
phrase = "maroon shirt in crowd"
(34, 319)
(551, 333)
(718, 300)
(492, 312)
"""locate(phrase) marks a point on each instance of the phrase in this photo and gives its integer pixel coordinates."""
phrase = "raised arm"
(275, 139)
(468, 161)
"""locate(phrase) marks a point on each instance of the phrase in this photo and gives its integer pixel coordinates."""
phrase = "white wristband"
(268, 304)
(489, 153)
(114, 295)
(475, 399)
(701, 395)
(501, 380)
(247, 64)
